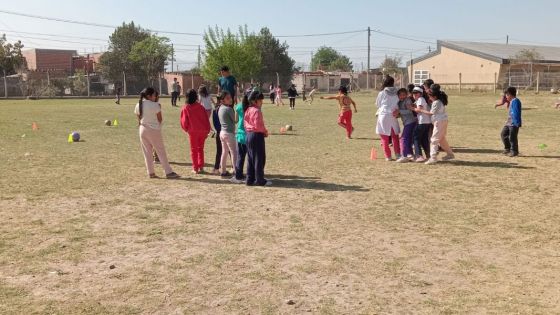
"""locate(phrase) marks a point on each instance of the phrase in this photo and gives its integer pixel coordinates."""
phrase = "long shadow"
(205, 180)
(488, 164)
(366, 138)
(189, 164)
(475, 150)
(282, 134)
(282, 176)
(541, 156)
(311, 184)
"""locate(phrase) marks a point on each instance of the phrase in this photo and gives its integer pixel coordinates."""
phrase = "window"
(420, 76)
(331, 82)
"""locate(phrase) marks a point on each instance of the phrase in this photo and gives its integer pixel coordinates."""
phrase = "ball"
(289, 127)
(108, 123)
(282, 130)
(75, 136)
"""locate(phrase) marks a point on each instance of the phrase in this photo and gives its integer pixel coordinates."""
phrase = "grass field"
(85, 232)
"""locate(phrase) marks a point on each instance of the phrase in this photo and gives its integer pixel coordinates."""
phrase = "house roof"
(501, 53)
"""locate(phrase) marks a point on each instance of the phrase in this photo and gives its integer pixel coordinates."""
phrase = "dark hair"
(224, 68)
(203, 91)
(410, 87)
(429, 82)
(192, 96)
(223, 95)
(436, 92)
(388, 82)
(343, 89)
(402, 90)
(144, 94)
(251, 97)
(511, 91)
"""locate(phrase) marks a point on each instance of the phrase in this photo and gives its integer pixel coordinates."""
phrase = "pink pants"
(152, 139)
(229, 146)
(396, 144)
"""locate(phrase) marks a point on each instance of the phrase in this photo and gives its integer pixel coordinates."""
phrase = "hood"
(391, 90)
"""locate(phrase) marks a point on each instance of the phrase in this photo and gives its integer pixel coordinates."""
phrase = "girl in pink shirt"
(256, 132)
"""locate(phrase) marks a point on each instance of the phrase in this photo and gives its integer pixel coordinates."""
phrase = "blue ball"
(75, 136)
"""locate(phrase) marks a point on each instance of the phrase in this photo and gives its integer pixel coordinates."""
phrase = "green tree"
(151, 55)
(233, 50)
(274, 56)
(391, 65)
(78, 83)
(11, 59)
(328, 59)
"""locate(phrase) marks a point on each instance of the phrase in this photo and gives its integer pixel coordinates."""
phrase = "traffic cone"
(373, 154)
(34, 126)
(115, 122)
(70, 139)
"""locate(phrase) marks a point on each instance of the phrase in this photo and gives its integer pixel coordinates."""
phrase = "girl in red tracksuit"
(194, 121)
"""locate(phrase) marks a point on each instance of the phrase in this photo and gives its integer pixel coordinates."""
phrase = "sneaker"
(215, 172)
(172, 175)
(236, 181)
(506, 152)
(420, 159)
(431, 161)
(398, 156)
(513, 154)
(268, 183)
(226, 174)
(403, 160)
(448, 157)
(153, 176)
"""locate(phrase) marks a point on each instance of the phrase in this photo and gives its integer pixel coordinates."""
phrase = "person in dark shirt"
(292, 94)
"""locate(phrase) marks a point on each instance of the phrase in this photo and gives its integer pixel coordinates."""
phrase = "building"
(87, 63)
(331, 81)
(187, 80)
(474, 65)
(49, 59)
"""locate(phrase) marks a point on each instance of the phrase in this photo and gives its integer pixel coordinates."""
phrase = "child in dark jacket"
(194, 121)
(292, 94)
(511, 129)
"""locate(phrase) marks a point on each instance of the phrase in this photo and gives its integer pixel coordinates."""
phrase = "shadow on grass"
(190, 164)
(541, 156)
(366, 138)
(312, 183)
(475, 150)
(488, 164)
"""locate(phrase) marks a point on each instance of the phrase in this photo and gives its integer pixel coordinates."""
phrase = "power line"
(88, 23)
(57, 35)
(320, 34)
(401, 37)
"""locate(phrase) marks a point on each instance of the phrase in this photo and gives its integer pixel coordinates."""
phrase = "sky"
(401, 28)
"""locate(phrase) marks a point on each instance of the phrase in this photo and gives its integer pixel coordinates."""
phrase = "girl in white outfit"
(387, 123)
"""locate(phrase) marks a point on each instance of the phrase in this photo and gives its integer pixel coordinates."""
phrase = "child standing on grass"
(241, 138)
(205, 99)
(216, 134)
(150, 121)
(439, 117)
(195, 123)
(226, 115)
(292, 94)
(422, 130)
(410, 122)
(278, 93)
(511, 129)
(345, 116)
(253, 122)
(387, 123)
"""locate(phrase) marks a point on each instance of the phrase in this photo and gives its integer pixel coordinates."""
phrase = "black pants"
(422, 139)
(174, 96)
(241, 154)
(509, 138)
(256, 159)
(292, 102)
(218, 160)
(272, 97)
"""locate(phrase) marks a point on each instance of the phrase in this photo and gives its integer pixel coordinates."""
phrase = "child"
(205, 99)
(256, 132)
(241, 138)
(194, 121)
(511, 129)
(410, 122)
(118, 96)
(150, 120)
(345, 116)
(272, 93)
(292, 94)
(227, 83)
(216, 135)
(439, 118)
(422, 131)
(278, 94)
(312, 95)
(227, 134)
(387, 123)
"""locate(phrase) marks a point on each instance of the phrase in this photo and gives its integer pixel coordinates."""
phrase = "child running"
(256, 132)
(409, 121)
(345, 116)
(439, 118)
(387, 123)
(241, 138)
(422, 131)
(205, 99)
(227, 134)
(150, 121)
(195, 123)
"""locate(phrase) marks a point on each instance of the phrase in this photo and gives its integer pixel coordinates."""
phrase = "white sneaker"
(389, 159)
(403, 160)
(268, 183)
(236, 181)
(420, 159)
(431, 161)
(448, 157)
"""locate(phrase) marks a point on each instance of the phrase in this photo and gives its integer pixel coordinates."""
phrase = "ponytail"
(443, 98)
(143, 95)
(245, 102)
(435, 91)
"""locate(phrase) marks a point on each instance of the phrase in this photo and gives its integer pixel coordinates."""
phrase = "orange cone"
(373, 154)
(34, 126)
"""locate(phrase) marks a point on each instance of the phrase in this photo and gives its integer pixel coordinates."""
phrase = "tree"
(233, 50)
(274, 56)
(527, 57)
(391, 65)
(151, 55)
(328, 59)
(11, 59)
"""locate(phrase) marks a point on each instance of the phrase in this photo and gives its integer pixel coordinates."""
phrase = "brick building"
(49, 59)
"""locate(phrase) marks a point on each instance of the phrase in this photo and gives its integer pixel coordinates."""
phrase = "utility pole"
(411, 78)
(311, 62)
(368, 56)
(507, 39)
(172, 56)
(198, 57)
(5, 85)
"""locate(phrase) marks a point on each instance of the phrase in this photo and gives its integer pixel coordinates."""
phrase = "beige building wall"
(446, 66)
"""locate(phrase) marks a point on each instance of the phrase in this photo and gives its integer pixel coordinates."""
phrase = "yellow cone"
(70, 139)
(115, 122)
